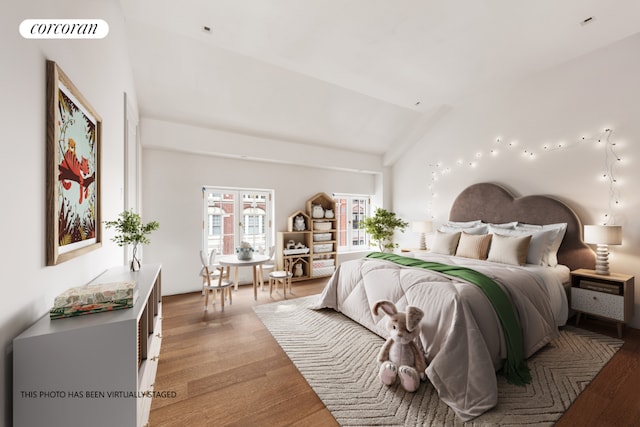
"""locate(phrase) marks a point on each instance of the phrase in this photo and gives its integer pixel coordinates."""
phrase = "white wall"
(168, 135)
(100, 70)
(581, 97)
(172, 192)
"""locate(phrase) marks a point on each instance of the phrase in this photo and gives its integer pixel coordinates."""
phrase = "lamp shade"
(603, 234)
(422, 226)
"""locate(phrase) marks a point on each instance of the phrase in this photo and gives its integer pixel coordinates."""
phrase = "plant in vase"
(381, 227)
(244, 251)
(131, 231)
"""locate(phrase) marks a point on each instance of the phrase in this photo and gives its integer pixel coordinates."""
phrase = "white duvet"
(460, 332)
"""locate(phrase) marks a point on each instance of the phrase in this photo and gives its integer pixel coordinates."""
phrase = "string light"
(608, 175)
(611, 158)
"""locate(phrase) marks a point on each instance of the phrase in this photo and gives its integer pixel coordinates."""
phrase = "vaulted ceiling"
(364, 75)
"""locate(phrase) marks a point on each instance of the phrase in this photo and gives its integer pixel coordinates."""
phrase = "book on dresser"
(608, 288)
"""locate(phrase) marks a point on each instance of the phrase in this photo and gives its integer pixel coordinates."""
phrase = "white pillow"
(510, 225)
(463, 224)
(551, 257)
(473, 245)
(509, 249)
(445, 243)
(534, 226)
(539, 246)
(477, 229)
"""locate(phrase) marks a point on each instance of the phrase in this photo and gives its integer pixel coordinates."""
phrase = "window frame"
(238, 226)
(348, 228)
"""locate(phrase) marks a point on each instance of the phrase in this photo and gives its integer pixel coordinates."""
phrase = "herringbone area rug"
(337, 357)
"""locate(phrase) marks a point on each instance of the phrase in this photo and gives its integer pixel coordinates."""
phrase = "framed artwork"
(73, 170)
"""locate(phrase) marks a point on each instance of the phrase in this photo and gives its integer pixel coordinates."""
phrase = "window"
(351, 210)
(254, 223)
(225, 228)
(214, 221)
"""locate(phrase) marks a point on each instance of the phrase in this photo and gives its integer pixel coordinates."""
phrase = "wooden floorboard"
(613, 397)
(227, 370)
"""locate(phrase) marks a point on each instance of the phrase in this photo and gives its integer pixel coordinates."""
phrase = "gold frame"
(70, 172)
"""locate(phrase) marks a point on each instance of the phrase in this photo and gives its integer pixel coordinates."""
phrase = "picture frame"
(73, 140)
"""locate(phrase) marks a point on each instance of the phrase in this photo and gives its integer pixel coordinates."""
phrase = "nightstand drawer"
(598, 303)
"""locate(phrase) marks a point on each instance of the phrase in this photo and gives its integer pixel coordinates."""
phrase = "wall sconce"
(603, 236)
(422, 227)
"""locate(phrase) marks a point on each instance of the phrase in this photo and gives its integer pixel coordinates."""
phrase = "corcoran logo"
(64, 29)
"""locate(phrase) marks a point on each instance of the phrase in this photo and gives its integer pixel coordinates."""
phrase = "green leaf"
(130, 229)
(381, 227)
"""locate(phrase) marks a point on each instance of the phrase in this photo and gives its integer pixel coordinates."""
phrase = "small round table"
(229, 261)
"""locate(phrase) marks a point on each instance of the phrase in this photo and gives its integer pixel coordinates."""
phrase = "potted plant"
(381, 227)
(131, 231)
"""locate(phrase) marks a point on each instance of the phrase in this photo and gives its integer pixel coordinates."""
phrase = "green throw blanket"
(515, 368)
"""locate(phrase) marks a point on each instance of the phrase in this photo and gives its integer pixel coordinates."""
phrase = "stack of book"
(89, 299)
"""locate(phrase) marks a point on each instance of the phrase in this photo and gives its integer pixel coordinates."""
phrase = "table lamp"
(422, 227)
(603, 236)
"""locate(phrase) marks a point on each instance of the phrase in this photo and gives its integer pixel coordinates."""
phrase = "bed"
(466, 341)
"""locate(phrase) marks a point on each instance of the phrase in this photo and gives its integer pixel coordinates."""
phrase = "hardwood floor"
(225, 369)
(613, 397)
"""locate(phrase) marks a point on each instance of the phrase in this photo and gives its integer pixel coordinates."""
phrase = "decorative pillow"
(445, 243)
(477, 229)
(473, 245)
(509, 249)
(539, 246)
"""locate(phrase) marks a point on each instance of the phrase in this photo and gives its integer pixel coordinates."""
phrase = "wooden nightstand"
(606, 296)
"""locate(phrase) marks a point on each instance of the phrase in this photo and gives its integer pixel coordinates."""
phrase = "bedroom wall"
(100, 70)
(561, 105)
(172, 187)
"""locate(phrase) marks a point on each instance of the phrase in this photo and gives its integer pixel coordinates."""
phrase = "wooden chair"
(216, 281)
(281, 276)
(214, 272)
(269, 265)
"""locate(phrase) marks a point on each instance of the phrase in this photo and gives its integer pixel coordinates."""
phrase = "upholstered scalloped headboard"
(493, 203)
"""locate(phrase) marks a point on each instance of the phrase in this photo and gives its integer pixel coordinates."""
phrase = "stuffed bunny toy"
(401, 357)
